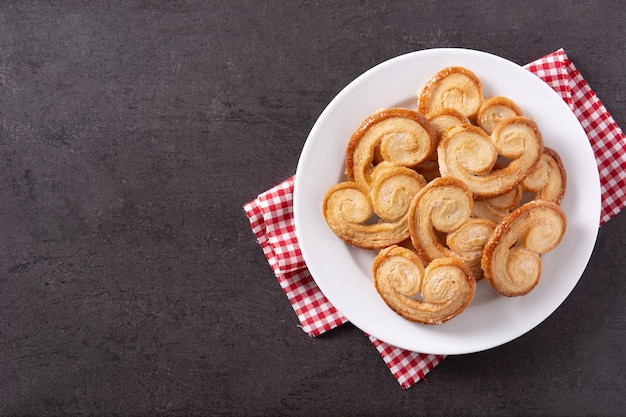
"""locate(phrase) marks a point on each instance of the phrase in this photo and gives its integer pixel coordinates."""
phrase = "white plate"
(343, 272)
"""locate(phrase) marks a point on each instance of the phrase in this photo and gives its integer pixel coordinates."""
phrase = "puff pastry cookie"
(454, 88)
(548, 179)
(494, 110)
(431, 295)
(469, 154)
(373, 218)
(398, 136)
(441, 207)
(511, 261)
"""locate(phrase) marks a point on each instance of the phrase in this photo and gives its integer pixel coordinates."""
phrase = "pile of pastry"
(458, 190)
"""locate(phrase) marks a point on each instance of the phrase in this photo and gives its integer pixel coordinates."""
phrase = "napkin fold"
(271, 217)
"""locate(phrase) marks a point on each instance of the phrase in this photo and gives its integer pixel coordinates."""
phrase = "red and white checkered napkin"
(271, 216)
(607, 139)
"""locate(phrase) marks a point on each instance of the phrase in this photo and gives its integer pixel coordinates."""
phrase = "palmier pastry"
(442, 206)
(511, 259)
(446, 285)
(468, 242)
(454, 88)
(444, 119)
(494, 110)
(469, 154)
(441, 121)
(548, 179)
(393, 191)
(399, 136)
(349, 208)
(496, 208)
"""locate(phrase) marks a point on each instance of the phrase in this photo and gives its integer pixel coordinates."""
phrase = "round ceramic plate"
(343, 272)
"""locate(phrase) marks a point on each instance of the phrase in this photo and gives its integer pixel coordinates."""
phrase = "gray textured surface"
(132, 132)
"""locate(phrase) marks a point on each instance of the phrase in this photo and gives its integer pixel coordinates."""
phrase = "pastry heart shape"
(469, 154)
(443, 208)
(446, 285)
(373, 218)
(454, 88)
(511, 259)
(494, 110)
(398, 136)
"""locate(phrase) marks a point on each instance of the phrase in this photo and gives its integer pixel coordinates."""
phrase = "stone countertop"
(131, 134)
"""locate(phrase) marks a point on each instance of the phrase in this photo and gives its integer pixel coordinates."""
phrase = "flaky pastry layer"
(469, 154)
(454, 88)
(494, 110)
(373, 218)
(398, 136)
(430, 295)
(511, 259)
(548, 179)
(442, 206)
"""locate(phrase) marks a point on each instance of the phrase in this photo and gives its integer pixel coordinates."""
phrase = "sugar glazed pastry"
(349, 208)
(443, 208)
(369, 210)
(441, 121)
(431, 295)
(548, 179)
(469, 154)
(511, 261)
(455, 88)
(398, 136)
(459, 190)
(495, 109)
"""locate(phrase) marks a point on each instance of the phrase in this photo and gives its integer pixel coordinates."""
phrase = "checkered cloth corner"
(607, 139)
(406, 366)
(316, 314)
(271, 219)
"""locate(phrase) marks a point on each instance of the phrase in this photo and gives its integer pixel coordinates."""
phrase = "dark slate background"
(131, 133)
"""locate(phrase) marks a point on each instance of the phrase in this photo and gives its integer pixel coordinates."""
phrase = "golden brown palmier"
(376, 218)
(511, 259)
(444, 119)
(469, 154)
(454, 88)
(468, 242)
(399, 136)
(393, 191)
(494, 110)
(548, 179)
(446, 285)
(442, 206)
(441, 121)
